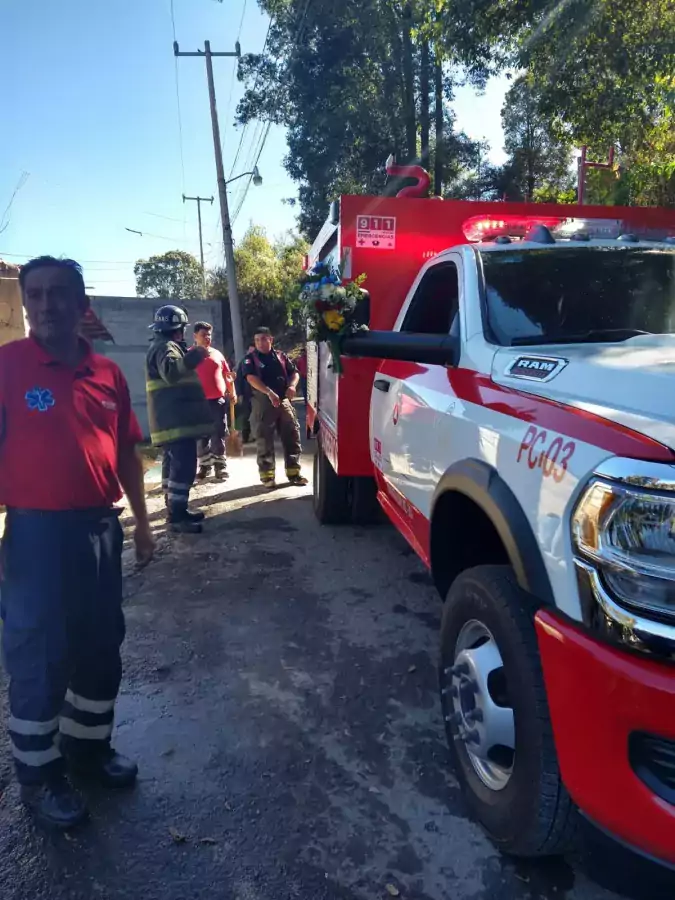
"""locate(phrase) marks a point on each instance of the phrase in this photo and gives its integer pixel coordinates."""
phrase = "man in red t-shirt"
(68, 441)
(218, 383)
(301, 366)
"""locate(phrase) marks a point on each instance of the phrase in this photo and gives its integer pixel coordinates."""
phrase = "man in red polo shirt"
(216, 378)
(67, 449)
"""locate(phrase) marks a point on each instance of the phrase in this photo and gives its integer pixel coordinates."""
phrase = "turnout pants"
(265, 420)
(211, 451)
(244, 418)
(179, 467)
(63, 627)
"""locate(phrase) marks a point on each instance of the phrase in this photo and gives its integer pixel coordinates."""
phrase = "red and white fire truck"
(512, 411)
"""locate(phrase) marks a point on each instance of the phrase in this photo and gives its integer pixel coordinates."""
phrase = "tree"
(175, 275)
(539, 161)
(352, 82)
(267, 277)
(600, 66)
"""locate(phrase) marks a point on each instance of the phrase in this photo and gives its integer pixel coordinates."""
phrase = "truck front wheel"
(331, 492)
(496, 715)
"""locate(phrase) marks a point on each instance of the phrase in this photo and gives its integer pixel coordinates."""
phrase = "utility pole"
(228, 246)
(200, 200)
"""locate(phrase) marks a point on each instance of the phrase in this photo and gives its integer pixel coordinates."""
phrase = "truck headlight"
(630, 535)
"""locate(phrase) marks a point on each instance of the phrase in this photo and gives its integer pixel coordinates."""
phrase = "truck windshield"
(586, 294)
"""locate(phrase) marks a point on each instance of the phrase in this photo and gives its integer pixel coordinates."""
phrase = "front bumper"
(613, 718)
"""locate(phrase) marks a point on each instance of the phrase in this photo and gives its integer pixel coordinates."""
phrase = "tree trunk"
(409, 86)
(438, 123)
(396, 79)
(425, 115)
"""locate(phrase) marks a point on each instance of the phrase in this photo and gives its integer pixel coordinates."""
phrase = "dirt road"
(280, 697)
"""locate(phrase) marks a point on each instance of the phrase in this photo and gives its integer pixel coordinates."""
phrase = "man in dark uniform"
(67, 449)
(177, 411)
(274, 380)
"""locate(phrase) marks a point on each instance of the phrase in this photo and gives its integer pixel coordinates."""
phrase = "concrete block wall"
(12, 321)
(127, 319)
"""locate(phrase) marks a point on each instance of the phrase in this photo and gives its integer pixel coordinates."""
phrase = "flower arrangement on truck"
(504, 392)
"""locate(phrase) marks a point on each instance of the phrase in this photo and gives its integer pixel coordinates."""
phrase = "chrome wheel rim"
(482, 716)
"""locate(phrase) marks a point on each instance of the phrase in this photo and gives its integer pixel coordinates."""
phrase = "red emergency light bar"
(481, 228)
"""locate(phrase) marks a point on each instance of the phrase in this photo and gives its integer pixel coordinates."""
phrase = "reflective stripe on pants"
(179, 467)
(212, 450)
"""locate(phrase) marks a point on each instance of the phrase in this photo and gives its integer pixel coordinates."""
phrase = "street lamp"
(228, 246)
(256, 177)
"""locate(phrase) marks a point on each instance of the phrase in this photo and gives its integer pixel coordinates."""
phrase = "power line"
(302, 24)
(23, 178)
(161, 237)
(255, 85)
(159, 216)
(235, 65)
(248, 183)
(245, 128)
(120, 262)
(180, 116)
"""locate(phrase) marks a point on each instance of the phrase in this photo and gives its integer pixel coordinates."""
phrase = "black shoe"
(55, 804)
(194, 516)
(298, 480)
(203, 473)
(185, 526)
(221, 473)
(107, 768)
(270, 485)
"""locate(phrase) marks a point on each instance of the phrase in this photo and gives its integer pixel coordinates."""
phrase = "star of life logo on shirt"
(40, 399)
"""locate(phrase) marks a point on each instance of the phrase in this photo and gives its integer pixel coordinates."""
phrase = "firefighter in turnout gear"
(274, 380)
(68, 441)
(177, 411)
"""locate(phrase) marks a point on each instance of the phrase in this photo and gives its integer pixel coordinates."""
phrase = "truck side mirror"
(428, 349)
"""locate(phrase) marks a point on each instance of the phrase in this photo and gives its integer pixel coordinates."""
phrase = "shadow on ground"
(280, 695)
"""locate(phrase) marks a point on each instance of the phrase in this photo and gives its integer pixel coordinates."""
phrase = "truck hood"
(632, 383)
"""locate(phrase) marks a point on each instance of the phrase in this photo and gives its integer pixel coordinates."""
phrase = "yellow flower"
(333, 319)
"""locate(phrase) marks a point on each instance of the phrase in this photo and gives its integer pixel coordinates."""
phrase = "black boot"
(55, 804)
(203, 473)
(182, 521)
(105, 767)
(222, 473)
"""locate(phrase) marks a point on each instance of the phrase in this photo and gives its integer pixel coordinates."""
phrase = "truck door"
(408, 397)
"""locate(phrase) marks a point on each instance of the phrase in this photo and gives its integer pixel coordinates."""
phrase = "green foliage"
(267, 277)
(604, 71)
(357, 80)
(537, 157)
(175, 275)
(346, 80)
(647, 185)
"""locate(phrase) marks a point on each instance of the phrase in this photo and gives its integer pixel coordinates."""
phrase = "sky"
(93, 140)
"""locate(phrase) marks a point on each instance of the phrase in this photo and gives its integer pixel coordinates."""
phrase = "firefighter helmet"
(169, 318)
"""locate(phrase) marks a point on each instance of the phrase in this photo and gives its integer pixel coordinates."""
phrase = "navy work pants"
(179, 467)
(212, 450)
(61, 604)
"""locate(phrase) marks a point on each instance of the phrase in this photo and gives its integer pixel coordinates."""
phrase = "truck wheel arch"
(474, 486)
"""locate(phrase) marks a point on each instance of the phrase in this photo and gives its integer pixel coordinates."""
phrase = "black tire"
(363, 494)
(331, 492)
(532, 815)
